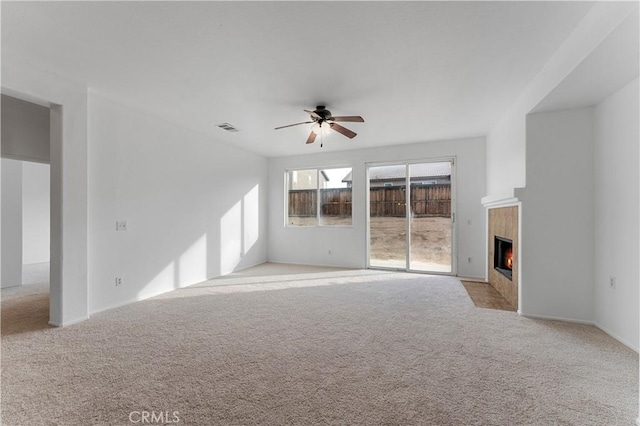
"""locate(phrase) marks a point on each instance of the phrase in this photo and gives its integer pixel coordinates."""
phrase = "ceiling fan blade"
(351, 118)
(312, 114)
(343, 130)
(312, 138)
(290, 125)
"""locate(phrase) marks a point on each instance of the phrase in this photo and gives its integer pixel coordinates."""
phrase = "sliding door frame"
(407, 164)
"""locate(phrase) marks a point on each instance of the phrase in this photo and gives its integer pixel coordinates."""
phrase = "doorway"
(410, 216)
(26, 215)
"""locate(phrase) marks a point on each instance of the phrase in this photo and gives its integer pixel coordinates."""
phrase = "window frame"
(318, 216)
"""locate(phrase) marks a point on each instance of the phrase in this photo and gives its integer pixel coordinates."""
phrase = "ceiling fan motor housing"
(324, 113)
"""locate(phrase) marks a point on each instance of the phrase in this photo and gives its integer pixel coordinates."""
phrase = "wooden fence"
(334, 202)
(432, 200)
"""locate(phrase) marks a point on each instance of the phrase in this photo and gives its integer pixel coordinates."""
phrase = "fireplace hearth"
(503, 256)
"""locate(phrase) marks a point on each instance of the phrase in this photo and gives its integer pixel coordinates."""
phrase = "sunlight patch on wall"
(251, 216)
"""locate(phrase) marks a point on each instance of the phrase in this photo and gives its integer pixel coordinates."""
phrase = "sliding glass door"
(430, 217)
(417, 238)
(387, 217)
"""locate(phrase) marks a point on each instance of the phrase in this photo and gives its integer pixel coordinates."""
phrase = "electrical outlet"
(118, 281)
(468, 260)
(121, 225)
(612, 283)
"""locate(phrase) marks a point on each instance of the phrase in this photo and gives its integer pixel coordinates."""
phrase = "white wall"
(311, 245)
(194, 208)
(25, 217)
(616, 213)
(25, 130)
(11, 223)
(556, 246)
(35, 212)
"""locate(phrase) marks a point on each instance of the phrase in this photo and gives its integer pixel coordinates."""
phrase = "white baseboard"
(146, 296)
(68, 323)
(552, 318)
(593, 323)
(116, 305)
(618, 338)
(158, 292)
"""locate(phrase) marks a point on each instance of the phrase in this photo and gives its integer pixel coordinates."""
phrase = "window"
(332, 186)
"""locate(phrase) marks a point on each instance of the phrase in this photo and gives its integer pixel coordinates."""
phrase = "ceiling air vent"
(228, 127)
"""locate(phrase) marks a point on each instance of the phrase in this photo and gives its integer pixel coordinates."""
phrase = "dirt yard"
(430, 241)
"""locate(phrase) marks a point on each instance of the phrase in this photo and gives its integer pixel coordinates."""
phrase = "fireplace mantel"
(505, 198)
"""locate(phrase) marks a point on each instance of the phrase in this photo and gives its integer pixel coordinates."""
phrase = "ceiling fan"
(324, 122)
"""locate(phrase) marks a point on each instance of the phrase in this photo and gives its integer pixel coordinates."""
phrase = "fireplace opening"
(503, 256)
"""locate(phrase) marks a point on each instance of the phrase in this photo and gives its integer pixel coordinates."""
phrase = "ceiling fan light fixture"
(321, 128)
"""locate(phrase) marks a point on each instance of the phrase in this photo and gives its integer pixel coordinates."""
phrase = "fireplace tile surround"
(503, 223)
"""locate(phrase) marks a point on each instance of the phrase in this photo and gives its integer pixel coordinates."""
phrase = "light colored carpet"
(295, 345)
(26, 307)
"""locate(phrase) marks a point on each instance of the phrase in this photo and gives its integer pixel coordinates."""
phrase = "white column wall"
(617, 210)
(556, 246)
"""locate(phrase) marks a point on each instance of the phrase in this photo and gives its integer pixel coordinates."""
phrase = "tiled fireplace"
(503, 252)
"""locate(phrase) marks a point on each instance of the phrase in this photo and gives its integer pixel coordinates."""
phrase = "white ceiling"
(416, 71)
